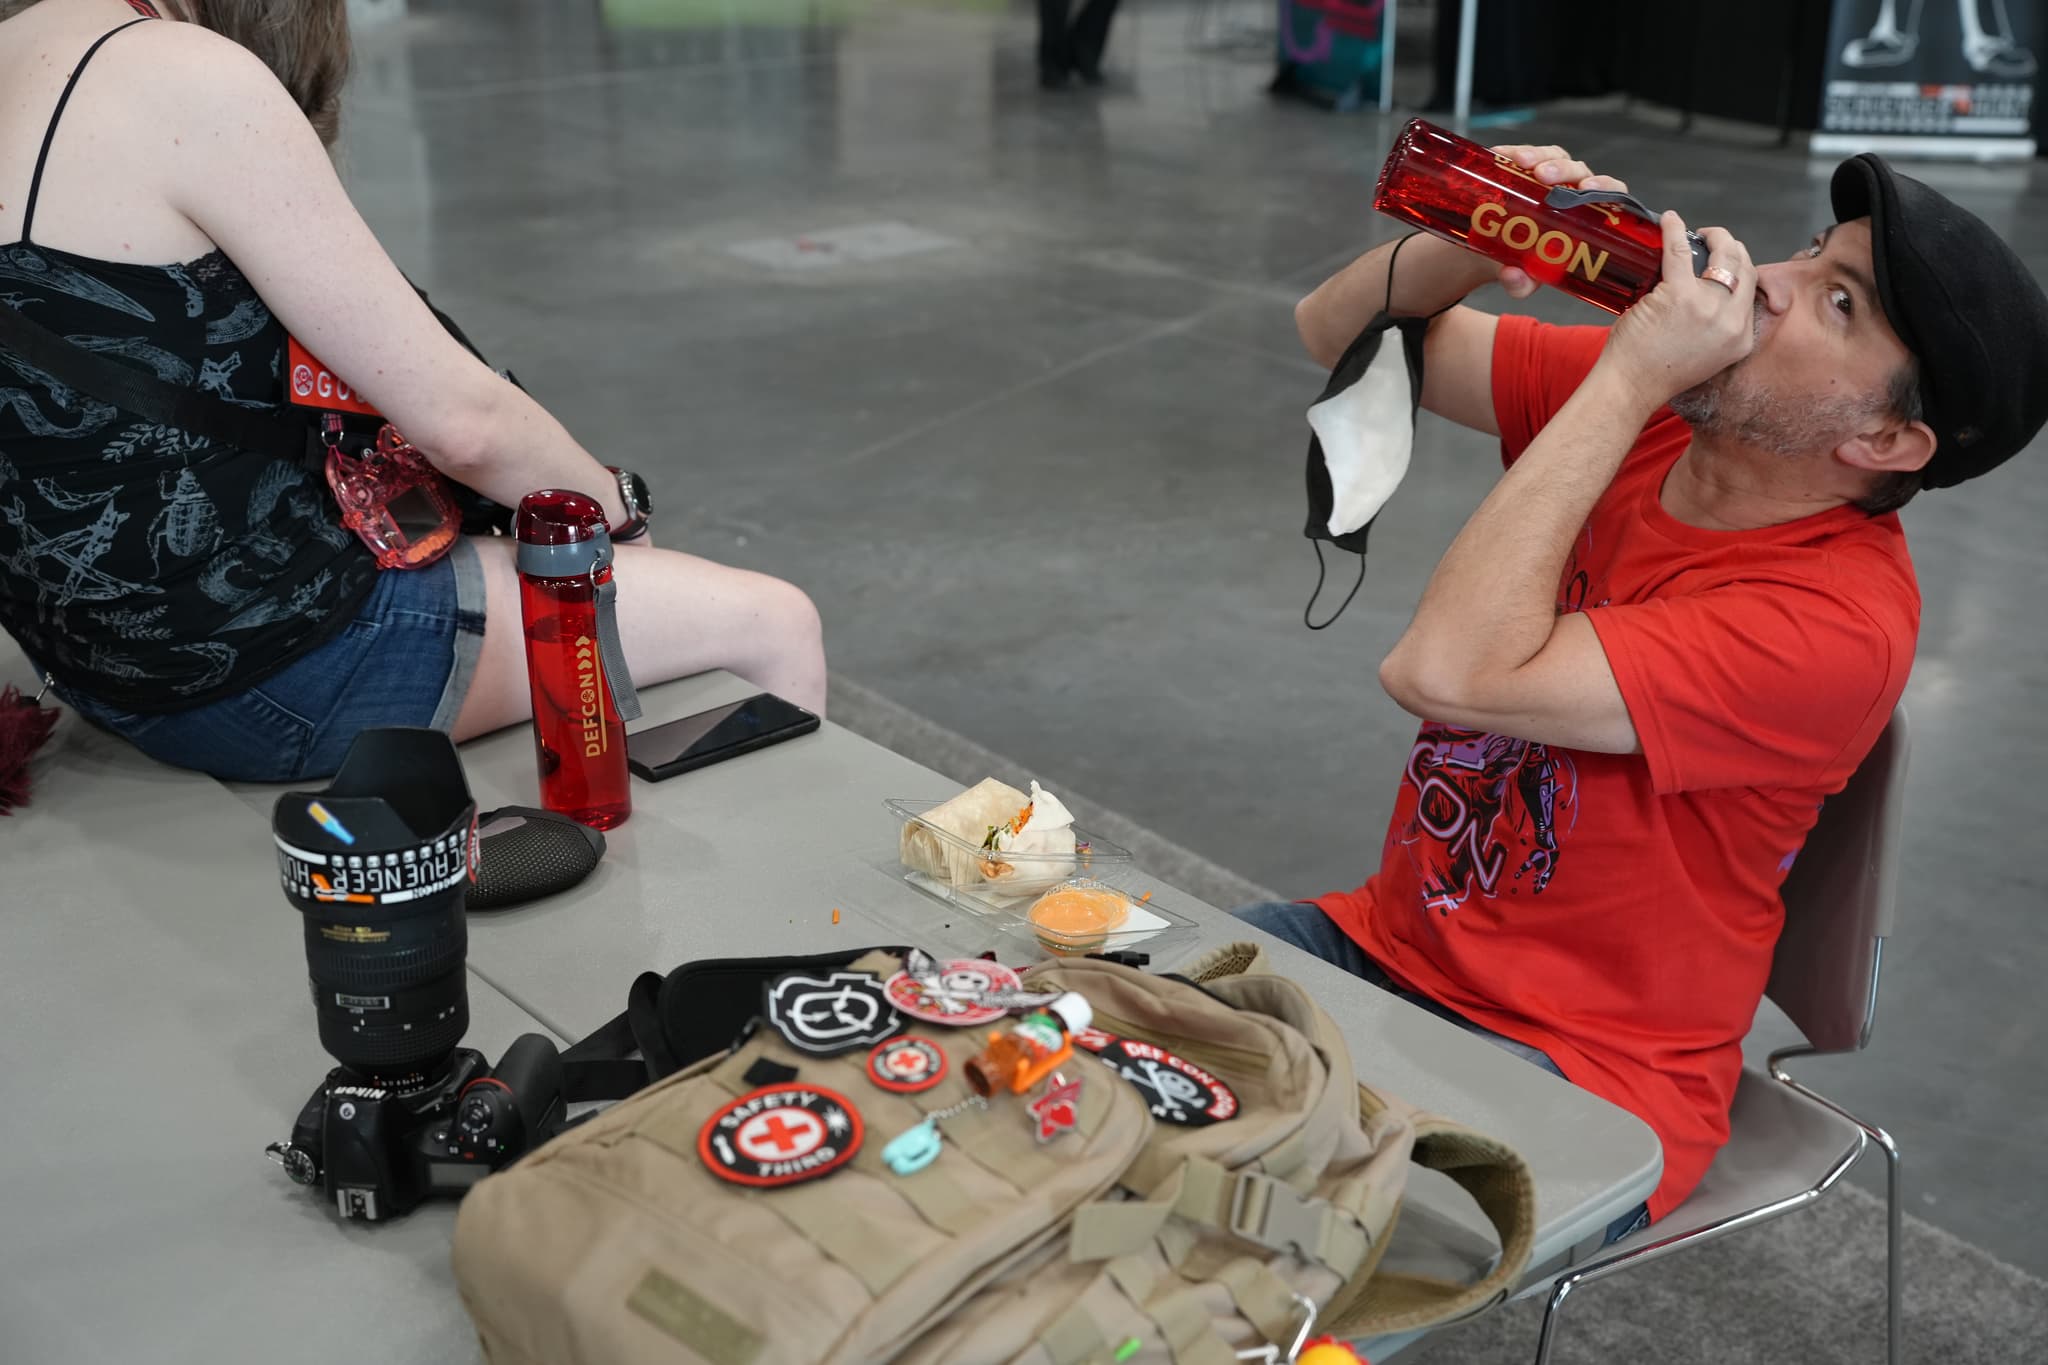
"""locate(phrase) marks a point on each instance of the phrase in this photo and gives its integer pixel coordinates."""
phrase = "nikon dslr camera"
(379, 865)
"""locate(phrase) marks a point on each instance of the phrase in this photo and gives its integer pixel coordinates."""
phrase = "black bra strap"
(35, 184)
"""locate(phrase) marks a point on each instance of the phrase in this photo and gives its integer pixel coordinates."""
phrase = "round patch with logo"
(960, 983)
(780, 1135)
(907, 1065)
(830, 1013)
(1174, 1089)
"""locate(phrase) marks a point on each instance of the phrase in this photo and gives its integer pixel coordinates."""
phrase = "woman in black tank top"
(204, 600)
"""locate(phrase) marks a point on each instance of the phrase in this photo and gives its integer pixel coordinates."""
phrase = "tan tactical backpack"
(1223, 1166)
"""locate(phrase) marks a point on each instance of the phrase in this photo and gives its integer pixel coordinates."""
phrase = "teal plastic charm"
(913, 1149)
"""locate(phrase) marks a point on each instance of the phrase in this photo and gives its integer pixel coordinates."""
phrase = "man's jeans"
(1309, 929)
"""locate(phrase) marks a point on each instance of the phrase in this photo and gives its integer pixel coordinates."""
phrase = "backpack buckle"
(1266, 1212)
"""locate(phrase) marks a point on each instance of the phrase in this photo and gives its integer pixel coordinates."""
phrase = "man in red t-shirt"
(1676, 625)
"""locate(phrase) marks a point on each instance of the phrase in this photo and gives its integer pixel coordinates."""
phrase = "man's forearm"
(1431, 276)
(1492, 603)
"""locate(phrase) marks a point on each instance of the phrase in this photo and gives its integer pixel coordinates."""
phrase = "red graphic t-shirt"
(1619, 911)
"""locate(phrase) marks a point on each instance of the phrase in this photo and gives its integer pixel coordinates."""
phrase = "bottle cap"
(1073, 1010)
(561, 534)
(558, 516)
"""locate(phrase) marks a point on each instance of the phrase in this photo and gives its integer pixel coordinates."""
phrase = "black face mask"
(1364, 427)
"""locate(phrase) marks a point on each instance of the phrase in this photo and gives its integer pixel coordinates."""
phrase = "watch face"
(635, 489)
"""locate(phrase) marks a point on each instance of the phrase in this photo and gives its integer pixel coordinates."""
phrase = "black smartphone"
(662, 751)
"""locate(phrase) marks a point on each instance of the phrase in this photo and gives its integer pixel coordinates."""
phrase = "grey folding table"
(161, 1035)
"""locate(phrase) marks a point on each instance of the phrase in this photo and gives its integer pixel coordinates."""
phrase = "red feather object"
(23, 727)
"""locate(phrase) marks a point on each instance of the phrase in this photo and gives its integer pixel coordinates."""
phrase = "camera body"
(378, 1149)
(379, 867)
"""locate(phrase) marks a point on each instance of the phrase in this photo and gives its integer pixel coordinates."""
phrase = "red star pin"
(1057, 1109)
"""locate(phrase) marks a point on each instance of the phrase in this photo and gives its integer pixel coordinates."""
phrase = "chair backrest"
(1839, 900)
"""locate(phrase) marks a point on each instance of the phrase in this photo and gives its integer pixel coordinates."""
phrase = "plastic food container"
(1006, 903)
(1011, 875)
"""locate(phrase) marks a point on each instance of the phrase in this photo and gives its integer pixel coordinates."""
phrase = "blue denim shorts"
(406, 659)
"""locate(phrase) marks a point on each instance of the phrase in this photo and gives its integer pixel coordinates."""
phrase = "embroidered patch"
(780, 1135)
(1175, 1090)
(907, 1065)
(961, 984)
(831, 1014)
(1092, 1039)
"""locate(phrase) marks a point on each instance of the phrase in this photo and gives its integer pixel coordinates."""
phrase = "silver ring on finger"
(1721, 275)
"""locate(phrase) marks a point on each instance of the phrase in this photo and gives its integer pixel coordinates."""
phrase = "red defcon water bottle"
(1602, 245)
(582, 693)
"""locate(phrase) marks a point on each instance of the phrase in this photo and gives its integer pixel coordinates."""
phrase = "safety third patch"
(780, 1135)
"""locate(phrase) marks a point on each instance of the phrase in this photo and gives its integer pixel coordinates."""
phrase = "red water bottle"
(1602, 245)
(582, 693)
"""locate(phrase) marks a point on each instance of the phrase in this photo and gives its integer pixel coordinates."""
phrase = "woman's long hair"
(304, 42)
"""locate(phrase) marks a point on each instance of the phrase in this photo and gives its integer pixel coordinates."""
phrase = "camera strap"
(698, 1010)
(601, 1066)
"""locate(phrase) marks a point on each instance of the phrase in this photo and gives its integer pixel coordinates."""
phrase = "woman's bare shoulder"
(187, 60)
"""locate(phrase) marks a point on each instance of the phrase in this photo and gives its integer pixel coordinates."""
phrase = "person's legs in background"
(1088, 37)
(1055, 49)
(1315, 933)
(1306, 927)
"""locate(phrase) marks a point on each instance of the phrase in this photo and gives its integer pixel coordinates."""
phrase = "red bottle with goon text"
(1602, 245)
(582, 693)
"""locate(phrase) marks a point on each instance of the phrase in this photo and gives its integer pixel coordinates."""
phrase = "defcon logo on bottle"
(590, 709)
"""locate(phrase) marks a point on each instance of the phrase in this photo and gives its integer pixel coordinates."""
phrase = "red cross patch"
(779, 1135)
(907, 1065)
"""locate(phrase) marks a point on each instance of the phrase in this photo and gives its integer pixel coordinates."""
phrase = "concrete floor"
(1045, 479)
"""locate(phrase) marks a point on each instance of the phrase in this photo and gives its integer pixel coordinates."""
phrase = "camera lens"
(379, 865)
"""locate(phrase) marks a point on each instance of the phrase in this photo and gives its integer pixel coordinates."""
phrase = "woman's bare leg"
(678, 615)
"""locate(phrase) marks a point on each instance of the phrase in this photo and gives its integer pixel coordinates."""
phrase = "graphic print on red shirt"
(1619, 911)
(1480, 799)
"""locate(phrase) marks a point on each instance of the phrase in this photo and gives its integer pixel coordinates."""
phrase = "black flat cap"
(1967, 309)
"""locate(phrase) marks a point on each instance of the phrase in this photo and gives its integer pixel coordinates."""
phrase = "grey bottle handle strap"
(1564, 197)
(574, 561)
(609, 649)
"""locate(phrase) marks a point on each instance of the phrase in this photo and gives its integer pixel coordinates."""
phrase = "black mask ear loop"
(1322, 569)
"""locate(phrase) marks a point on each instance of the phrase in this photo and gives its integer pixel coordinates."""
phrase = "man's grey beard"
(1734, 405)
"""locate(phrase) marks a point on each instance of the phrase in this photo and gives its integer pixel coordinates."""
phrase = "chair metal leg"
(1615, 1262)
(1894, 1243)
(1549, 1334)
(1894, 1202)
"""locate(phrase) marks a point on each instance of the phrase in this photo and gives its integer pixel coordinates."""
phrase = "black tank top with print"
(147, 567)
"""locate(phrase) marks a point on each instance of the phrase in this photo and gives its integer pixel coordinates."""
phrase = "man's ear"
(1895, 448)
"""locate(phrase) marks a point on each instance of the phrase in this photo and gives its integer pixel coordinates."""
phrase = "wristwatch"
(633, 493)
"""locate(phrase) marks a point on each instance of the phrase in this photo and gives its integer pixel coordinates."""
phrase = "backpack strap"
(280, 431)
(598, 1066)
(143, 394)
(1249, 1205)
(1499, 1182)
